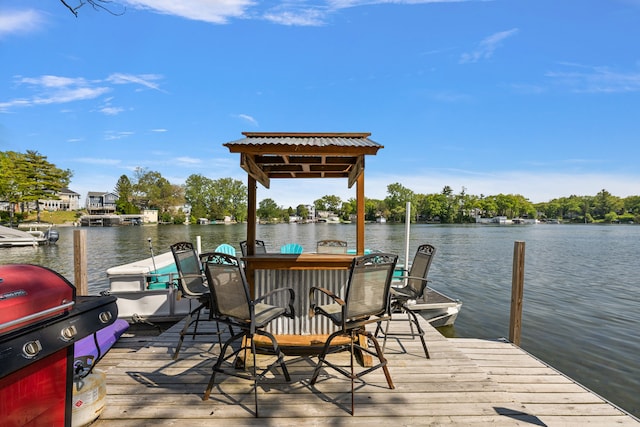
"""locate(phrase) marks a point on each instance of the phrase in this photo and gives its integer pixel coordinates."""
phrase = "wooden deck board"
(466, 382)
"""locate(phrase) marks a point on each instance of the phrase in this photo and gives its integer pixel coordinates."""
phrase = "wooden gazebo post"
(251, 214)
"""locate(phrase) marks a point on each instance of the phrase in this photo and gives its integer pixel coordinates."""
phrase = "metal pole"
(407, 221)
(153, 260)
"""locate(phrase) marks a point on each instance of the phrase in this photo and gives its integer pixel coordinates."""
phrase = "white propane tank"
(89, 395)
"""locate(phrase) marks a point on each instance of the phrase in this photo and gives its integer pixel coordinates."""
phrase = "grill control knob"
(105, 316)
(32, 348)
(68, 333)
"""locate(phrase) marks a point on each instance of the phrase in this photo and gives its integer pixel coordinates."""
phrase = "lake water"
(581, 298)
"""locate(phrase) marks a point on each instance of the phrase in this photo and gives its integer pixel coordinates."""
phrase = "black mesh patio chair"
(260, 247)
(232, 304)
(366, 301)
(331, 247)
(192, 285)
(413, 288)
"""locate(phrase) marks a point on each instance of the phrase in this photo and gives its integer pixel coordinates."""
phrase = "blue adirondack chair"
(226, 248)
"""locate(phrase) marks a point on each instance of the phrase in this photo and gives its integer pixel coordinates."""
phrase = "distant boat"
(10, 237)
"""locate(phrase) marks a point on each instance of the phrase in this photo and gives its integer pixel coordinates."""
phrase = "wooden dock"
(466, 382)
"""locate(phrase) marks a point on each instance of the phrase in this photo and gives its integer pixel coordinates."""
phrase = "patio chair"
(192, 285)
(366, 301)
(415, 284)
(260, 247)
(233, 305)
(226, 248)
(291, 248)
(331, 247)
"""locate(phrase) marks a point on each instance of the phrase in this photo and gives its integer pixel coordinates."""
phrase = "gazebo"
(274, 155)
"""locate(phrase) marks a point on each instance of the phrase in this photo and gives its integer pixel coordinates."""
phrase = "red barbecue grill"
(40, 320)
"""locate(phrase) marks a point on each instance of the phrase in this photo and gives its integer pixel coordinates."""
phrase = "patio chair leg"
(414, 319)
(187, 322)
(255, 378)
(321, 358)
(216, 367)
(382, 359)
(386, 331)
(353, 338)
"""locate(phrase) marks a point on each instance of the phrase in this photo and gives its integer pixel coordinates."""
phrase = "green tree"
(268, 210)
(604, 203)
(228, 198)
(44, 179)
(124, 190)
(152, 190)
(329, 203)
(198, 191)
(396, 200)
(371, 209)
(12, 177)
(302, 211)
(31, 177)
(431, 207)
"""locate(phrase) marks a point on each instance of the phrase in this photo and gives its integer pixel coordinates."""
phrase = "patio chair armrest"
(410, 277)
(327, 292)
(184, 289)
(290, 310)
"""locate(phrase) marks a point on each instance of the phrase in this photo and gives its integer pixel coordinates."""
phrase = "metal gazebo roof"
(267, 155)
(270, 155)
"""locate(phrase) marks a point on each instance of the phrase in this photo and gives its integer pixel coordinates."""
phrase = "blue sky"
(532, 97)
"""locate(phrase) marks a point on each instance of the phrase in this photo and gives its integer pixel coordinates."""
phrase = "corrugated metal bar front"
(301, 281)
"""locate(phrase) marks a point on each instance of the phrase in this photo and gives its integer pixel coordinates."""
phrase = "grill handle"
(33, 316)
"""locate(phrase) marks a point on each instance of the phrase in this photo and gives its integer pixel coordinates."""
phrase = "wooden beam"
(247, 163)
(357, 170)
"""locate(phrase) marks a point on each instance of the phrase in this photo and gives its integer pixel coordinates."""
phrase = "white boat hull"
(145, 291)
(437, 308)
(11, 237)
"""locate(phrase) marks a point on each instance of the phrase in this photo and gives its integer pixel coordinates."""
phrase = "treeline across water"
(27, 178)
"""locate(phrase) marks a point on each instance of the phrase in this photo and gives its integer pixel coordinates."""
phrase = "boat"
(434, 306)
(10, 237)
(437, 308)
(146, 290)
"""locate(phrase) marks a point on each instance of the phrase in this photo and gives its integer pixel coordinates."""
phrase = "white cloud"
(98, 161)
(189, 160)
(19, 22)
(114, 135)
(111, 111)
(213, 11)
(146, 80)
(487, 46)
(65, 95)
(589, 79)
(159, 130)
(50, 89)
(298, 13)
(248, 119)
(305, 17)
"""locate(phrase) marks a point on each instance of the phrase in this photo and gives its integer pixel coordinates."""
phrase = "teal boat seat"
(291, 248)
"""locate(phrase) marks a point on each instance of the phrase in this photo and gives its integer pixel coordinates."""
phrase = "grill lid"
(30, 294)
